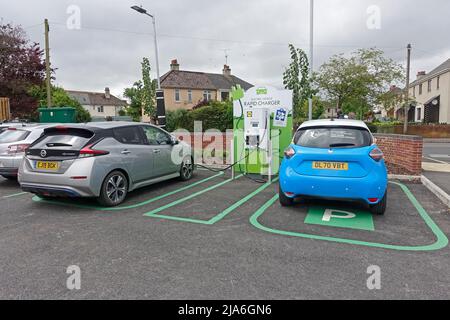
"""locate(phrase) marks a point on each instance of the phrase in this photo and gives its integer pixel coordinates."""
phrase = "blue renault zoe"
(334, 160)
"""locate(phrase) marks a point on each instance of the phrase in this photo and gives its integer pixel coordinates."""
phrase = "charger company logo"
(261, 91)
(43, 153)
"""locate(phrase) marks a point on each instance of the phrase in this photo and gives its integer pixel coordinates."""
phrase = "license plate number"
(322, 165)
(47, 165)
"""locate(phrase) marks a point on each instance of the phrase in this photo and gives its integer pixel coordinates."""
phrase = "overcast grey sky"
(109, 46)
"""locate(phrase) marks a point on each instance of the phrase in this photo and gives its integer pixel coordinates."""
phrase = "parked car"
(6, 125)
(13, 142)
(337, 160)
(103, 160)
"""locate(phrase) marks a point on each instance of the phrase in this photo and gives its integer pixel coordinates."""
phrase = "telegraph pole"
(408, 70)
(47, 65)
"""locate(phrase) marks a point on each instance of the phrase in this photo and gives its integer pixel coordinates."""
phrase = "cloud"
(113, 39)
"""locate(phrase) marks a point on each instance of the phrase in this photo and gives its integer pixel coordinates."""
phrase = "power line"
(284, 44)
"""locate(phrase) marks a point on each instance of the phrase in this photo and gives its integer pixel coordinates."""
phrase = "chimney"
(226, 71)
(421, 74)
(174, 65)
(107, 93)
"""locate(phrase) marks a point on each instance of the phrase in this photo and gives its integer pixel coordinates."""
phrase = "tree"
(149, 90)
(358, 83)
(134, 95)
(142, 95)
(21, 66)
(296, 78)
(60, 98)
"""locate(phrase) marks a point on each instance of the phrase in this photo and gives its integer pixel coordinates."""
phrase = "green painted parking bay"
(351, 218)
(211, 205)
(407, 226)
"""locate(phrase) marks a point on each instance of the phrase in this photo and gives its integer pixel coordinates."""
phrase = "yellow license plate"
(322, 165)
(47, 165)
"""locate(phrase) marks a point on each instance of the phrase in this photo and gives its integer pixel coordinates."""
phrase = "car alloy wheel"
(187, 168)
(116, 188)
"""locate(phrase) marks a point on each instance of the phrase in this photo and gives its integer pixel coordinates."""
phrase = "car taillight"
(376, 154)
(87, 152)
(289, 152)
(17, 148)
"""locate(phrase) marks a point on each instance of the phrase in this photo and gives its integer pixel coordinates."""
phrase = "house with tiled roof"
(431, 92)
(186, 89)
(99, 104)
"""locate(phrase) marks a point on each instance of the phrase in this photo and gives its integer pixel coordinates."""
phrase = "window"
(420, 88)
(207, 95)
(419, 114)
(177, 95)
(414, 91)
(225, 95)
(330, 137)
(100, 109)
(190, 96)
(12, 135)
(128, 135)
(156, 137)
(429, 85)
(438, 83)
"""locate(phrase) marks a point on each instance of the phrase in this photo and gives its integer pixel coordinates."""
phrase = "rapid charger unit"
(263, 127)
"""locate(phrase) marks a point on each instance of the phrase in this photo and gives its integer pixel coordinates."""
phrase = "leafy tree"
(134, 95)
(60, 98)
(21, 66)
(296, 78)
(142, 95)
(359, 82)
(149, 90)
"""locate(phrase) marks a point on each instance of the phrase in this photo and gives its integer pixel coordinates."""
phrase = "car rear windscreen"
(64, 140)
(333, 137)
(9, 136)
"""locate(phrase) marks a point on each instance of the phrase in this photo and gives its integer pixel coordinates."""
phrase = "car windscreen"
(9, 136)
(64, 140)
(333, 137)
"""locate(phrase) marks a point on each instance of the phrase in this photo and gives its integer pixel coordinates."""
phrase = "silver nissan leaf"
(102, 160)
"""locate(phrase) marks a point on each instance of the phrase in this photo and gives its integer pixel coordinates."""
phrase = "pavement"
(216, 238)
(436, 166)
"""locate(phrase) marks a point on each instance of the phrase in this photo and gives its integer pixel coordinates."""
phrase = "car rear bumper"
(373, 186)
(9, 165)
(77, 181)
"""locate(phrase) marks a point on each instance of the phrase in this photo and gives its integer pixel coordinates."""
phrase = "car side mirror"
(174, 141)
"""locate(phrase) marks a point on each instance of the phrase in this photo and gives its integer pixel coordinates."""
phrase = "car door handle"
(126, 152)
(156, 151)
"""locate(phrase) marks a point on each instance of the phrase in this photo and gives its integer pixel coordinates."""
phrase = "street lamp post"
(311, 54)
(161, 112)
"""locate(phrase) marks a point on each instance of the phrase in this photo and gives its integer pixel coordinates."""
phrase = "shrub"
(216, 115)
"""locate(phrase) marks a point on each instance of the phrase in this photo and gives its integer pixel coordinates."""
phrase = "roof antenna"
(226, 55)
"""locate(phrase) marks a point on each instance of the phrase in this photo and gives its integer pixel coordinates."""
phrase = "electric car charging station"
(262, 119)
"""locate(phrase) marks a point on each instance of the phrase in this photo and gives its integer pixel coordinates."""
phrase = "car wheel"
(284, 200)
(114, 189)
(187, 169)
(380, 208)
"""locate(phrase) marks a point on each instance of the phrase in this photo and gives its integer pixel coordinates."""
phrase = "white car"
(13, 142)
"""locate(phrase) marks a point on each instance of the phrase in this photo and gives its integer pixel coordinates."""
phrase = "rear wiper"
(58, 145)
(341, 145)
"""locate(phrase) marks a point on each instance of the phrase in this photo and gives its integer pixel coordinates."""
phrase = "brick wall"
(403, 153)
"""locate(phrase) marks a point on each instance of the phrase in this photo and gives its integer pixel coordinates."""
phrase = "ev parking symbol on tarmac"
(340, 218)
